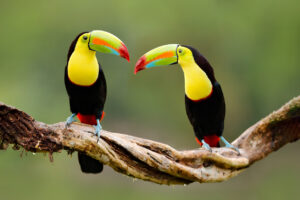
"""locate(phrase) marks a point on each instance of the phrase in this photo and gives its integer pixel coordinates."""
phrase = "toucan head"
(100, 41)
(164, 55)
(173, 54)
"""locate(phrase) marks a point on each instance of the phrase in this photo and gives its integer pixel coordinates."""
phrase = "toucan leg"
(70, 119)
(205, 145)
(228, 145)
(98, 129)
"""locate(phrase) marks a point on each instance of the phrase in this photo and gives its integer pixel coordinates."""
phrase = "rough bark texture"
(150, 160)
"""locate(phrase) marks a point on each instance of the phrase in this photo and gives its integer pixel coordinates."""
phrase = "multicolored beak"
(163, 55)
(106, 42)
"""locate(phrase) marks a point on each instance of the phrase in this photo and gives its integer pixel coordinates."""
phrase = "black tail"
(88, 164)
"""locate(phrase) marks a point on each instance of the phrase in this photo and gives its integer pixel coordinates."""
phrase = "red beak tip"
(124, 52)
(140, 65)
(126, 56)
(136, 71)
(138, 68)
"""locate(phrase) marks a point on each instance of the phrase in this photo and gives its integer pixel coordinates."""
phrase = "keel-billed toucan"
(204, 100)
(86, 85)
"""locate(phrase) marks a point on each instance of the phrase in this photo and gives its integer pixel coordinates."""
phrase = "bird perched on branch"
(204, 100)
(86, 85)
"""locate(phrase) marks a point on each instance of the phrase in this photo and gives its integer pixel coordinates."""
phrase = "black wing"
(207, 115)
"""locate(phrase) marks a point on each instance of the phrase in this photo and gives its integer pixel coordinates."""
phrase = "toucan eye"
(85, 37)
(180, 51)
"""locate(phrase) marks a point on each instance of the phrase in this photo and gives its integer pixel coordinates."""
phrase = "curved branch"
(150, 160)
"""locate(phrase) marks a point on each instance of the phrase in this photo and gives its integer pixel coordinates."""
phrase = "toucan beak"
(106, 42)
(163, 55)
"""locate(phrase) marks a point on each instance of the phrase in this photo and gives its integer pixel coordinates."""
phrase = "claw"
(228, 145)
(70, 120)
(206, 146)
(98, 128)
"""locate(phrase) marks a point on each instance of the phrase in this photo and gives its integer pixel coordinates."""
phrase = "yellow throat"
(83, 67)
(197, 84)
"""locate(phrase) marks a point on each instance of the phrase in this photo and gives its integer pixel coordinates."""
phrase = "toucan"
(204, 100)
(85, 83)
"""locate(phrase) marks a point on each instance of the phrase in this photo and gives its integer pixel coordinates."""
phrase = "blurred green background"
(253, 46)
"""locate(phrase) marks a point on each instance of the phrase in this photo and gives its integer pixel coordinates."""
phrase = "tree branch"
(149, 160)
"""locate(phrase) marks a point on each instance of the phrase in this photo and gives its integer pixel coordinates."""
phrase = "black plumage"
(206, 115)
(86, 100)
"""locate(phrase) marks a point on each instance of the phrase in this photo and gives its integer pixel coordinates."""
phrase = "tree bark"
(149, 160)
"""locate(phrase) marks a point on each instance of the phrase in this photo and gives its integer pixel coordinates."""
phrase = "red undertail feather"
(212, 140)
(89, 119)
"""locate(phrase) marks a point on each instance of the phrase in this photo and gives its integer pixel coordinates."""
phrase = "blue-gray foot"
(228, 145)
(98, 128)
(70, 120)
(205, 145)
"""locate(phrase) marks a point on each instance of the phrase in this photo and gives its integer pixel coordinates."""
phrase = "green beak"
(106, 42)
(160, 56)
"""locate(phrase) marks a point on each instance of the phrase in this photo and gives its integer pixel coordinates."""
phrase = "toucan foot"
(70, 120)
(228, 145)
(98, 128)
(206, 146)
